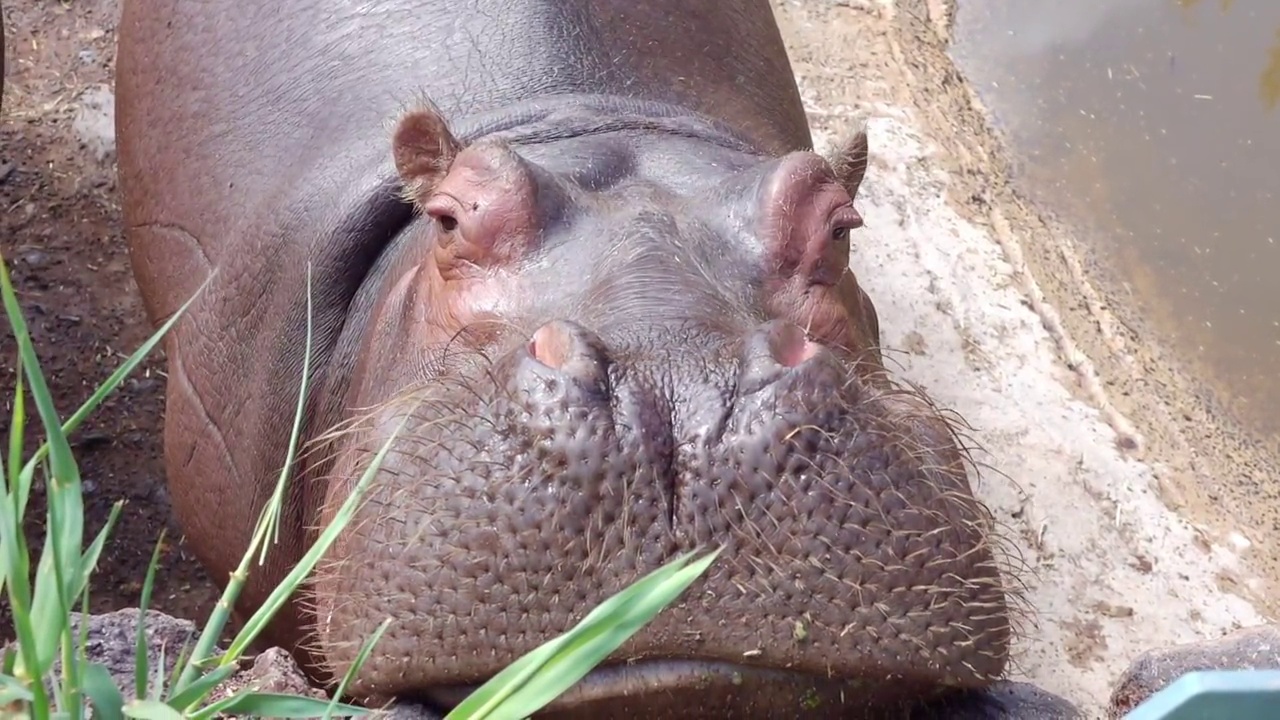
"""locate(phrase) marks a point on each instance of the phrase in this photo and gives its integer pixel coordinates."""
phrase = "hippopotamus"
(582, 253)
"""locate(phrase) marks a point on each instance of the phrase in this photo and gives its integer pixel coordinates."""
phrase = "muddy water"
(1154, 127)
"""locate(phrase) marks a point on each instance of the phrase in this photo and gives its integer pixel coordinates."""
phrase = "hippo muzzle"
(602, 368)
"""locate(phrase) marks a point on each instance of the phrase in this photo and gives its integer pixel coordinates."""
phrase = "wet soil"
(1143, 135)
(1151, 124)
(60, 236)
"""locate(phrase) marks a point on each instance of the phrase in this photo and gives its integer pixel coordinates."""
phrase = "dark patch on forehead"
(681, 165)
(595, 163)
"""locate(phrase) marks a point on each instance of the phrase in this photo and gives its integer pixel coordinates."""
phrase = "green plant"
(29, 684)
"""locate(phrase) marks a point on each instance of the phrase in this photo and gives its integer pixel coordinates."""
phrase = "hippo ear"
(423, 149)
(807, 216)
(850, 162)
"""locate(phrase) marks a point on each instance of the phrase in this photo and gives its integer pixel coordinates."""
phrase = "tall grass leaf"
(273, 523)
(79, 655)
(350, 674)
(89, 562)
(150, 710)
(25, 657)
(525, 687)
(114, 379)
(273, 705)
(100, 688)
(13, 691)
(45, 607)
(14, 547)
(140, 670)
(63, 464)
(4, 565)
(183, 654)
(267, 525)
(193, 693)
(9, 470)
(16, 560)
(64, 533)
(303, 568)
(17, 434)
(576, 658)
(504, 684)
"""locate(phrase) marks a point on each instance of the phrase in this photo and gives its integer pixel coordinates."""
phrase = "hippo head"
(610, 349)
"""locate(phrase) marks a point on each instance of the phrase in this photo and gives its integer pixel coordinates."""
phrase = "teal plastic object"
(1215, 695)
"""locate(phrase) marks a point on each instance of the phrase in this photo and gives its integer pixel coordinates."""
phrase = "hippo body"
(584, 251)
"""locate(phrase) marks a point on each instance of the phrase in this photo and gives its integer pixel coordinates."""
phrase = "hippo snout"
(853, 551)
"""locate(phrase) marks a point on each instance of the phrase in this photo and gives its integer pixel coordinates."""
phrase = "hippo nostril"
(772, 351)
(788, 345)
(552, 344)
(570, 349)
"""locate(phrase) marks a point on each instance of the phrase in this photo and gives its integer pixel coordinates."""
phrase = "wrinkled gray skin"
(604, 284)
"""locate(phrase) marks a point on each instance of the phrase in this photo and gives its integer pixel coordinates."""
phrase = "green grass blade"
(268, 523)
(150, 710)
(162, 690)
(46, 606)
(531, 682)
(104, 696)
(14, 551)
(350, 674)
(17, 433)
(65, 531)
(282, 591)
(79, 657)
(113, 381)
(89, 562)
(501, 686)
(277, 500)
(9, 470)
(583, 653)
(140, 670)
(192, 694)
(14, 546)
(11, 690)
(273, 705)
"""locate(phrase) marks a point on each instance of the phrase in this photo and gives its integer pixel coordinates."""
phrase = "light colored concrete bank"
(1110, 571)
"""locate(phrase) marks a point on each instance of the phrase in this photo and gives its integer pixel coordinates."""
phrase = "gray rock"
(1005, 700)
(111, 637)
(110, 641)
(1254, 648)
(94, 122)
(409, 711)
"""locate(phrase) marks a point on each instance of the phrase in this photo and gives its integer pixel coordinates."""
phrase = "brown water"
(1154, 126)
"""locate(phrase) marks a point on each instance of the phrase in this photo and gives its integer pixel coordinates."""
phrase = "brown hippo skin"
(583, 249)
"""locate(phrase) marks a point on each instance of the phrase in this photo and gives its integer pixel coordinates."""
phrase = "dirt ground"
(983, 301)
(60, 235)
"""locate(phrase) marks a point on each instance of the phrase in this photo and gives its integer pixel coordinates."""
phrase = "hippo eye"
(845, 220)
(448, 223)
